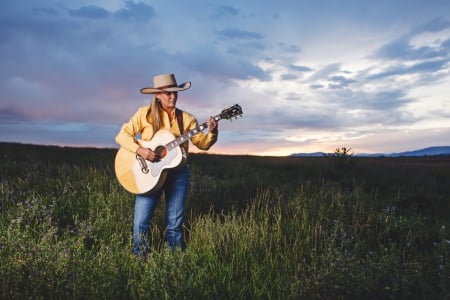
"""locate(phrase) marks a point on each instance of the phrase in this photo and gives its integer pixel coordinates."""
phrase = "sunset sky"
(310, 76)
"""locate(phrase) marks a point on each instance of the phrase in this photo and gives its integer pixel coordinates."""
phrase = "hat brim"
(181, 87)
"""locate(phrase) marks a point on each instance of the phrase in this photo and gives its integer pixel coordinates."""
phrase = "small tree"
(341, 159)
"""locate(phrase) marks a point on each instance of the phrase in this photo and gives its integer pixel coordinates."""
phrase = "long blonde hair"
(155, 114)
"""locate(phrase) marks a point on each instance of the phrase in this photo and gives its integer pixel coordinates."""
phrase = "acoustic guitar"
(140, 176)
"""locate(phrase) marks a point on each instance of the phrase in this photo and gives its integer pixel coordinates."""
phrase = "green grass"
(257, 227)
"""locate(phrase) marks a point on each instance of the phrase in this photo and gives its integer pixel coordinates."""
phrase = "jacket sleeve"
(126, 137)
(202, 141)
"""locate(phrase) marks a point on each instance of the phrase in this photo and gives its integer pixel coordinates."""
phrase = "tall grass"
(257, 227)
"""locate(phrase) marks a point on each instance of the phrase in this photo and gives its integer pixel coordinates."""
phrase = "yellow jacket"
(141, 124)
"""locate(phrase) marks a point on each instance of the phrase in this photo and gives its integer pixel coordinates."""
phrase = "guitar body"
(140, 176)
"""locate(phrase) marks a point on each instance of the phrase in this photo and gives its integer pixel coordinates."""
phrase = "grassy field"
(256, 228)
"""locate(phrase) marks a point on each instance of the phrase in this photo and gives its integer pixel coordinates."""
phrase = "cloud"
(382, 101)
(326, 71)
(235, 33)
(224, 12)
(130, 12)
(300, 68)
(137, 12)
(338, 82)
(316, 86)
(289, 48)
(436, 25)
(56, 133)
(288, 77)
(402, 48)
(89, 12)
(418, 68)
(45, 11)
(222, 67)
(9, 116)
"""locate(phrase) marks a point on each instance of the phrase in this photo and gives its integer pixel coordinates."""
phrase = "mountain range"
(429, 151)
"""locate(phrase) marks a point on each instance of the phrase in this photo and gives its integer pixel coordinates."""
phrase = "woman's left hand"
(212, 125)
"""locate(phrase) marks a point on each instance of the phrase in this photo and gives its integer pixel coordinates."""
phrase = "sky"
(310, 75)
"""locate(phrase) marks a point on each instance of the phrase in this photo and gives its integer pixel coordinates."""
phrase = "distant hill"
(430, 151)
(13, 149)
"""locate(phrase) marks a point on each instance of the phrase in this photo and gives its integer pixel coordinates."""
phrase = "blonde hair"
(155, 114)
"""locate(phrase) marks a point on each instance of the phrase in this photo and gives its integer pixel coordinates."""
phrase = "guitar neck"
(187, 135)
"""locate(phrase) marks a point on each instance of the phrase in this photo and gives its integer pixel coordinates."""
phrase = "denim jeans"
(175, 190)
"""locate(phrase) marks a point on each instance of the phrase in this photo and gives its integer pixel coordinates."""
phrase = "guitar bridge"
(142, 164)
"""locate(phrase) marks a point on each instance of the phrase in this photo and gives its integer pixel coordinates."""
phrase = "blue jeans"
(175, 190)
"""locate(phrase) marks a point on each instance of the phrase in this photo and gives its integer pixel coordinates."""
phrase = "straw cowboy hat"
(165, 83)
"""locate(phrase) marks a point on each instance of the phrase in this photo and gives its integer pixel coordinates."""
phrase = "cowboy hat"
(165, 83)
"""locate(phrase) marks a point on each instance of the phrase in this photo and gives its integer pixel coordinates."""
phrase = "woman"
(163, 114)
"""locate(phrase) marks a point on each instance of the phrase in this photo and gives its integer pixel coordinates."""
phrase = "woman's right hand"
(148, 154)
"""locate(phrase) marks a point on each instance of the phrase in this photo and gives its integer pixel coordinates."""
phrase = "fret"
(171, 145)
(195, 131)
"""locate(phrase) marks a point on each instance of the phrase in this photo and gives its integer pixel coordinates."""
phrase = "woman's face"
(168, 99)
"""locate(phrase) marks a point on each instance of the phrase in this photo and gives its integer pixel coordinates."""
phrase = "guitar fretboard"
(186, 136)
(231, 112)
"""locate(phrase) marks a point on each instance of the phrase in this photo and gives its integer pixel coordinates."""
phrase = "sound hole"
(161, 151)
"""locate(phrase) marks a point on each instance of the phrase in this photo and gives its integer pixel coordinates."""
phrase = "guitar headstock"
(234, 111)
